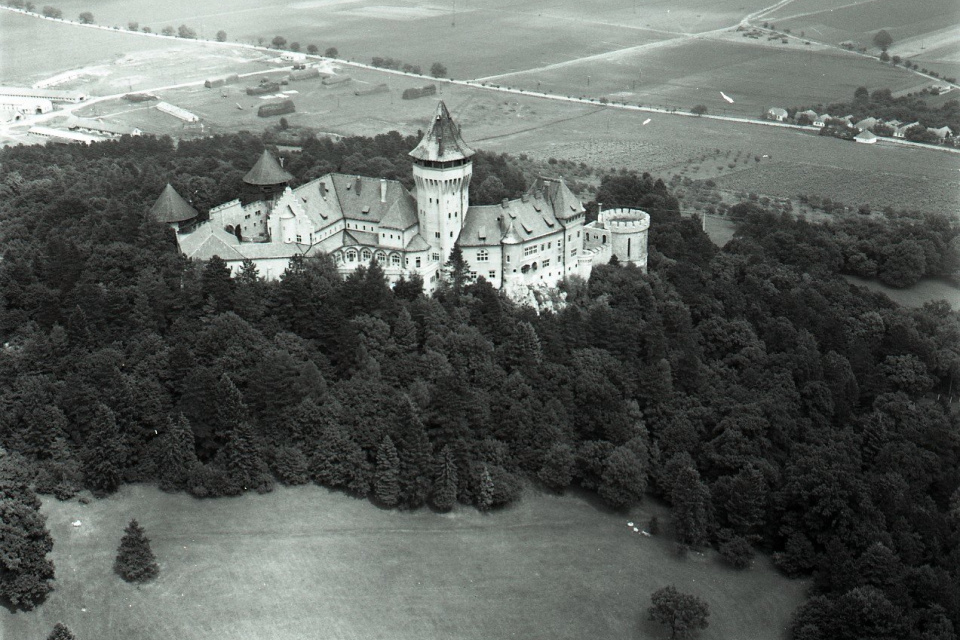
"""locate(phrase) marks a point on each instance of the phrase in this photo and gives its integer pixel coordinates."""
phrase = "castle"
(536, 240)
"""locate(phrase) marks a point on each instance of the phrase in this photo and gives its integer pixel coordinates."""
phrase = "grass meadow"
(916, 296)
(304, 563)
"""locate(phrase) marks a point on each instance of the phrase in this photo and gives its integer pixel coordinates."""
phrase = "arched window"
(338, 257)
(366, 254)
(351, 256)
(395, 259)
(381, 257)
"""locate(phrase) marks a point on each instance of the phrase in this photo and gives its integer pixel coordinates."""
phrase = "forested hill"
(769, 402)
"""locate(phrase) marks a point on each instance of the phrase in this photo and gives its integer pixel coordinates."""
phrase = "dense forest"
(772, 405)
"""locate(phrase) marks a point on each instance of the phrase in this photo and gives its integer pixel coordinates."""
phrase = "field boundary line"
(465, 83)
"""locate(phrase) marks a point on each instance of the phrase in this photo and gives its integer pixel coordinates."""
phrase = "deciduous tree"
(683, 613)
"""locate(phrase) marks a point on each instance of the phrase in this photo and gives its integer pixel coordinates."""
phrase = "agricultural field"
(859, 21)
(303, 563)
(472, 39)
(796, 161)
(755, 75)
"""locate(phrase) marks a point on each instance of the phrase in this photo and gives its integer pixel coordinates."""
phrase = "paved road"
(478, 83)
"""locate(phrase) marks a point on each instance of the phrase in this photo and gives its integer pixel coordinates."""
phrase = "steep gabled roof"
(563, 203)
(417, 243)
(267, 171)
(442, 141)
(171, 207)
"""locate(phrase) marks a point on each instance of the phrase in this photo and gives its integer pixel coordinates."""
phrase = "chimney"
(323, 191)
(358, 184)
(525, 197)
(504, 203)
(383, 190)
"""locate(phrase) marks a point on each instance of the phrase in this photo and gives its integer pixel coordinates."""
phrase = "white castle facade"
(536, 240)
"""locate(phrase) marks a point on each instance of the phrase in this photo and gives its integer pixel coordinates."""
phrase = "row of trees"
(768, 402)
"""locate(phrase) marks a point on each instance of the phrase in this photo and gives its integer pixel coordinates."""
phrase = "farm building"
(867, 124)
(822, 120)
(305, 74)
(535, 240)
(901, 131)
(776, 113)
(170, 208)
(26, 106)
(57, 135)
(291, 56)
(866, 137)
(219, 82)
(177, 112)
(264, 88)
(809, 114)
(419, 92)
(44, 94)
(332, 80)
(943, 132)
(276, 108)
(100, 127)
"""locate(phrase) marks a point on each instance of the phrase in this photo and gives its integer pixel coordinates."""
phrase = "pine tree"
(243, 460)
(485, 498)
(416, 459)
(691, 507)
(104, 452)
(135, 561)
(61, 632)
(25, 572)
(231, 410)
(386, 481)
(178, 456)
(445, 486)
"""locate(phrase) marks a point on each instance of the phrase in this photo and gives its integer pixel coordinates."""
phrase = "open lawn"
(926, 290)
(304, 563)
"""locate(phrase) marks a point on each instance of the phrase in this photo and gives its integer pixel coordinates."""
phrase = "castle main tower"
(442, 169)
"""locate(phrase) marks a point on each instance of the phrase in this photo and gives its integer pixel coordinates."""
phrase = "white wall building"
(536, 240)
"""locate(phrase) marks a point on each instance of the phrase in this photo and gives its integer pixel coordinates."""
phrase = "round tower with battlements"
(628, 230)
(442, 168)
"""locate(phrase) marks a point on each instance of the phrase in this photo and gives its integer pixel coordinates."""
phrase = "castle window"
(299, 239)
(549, 245)
(395, 259)
(351, 256)
(628, 247)
(546, 262)
(529, 251)
(604, 238)
(381, 257)
(573, 251)
(508, 260)
(578, 234)
(492, 274)
(418, 262)
(436, 233)
(435, 257)
(483, 255)
(525, 268)
(367, 255)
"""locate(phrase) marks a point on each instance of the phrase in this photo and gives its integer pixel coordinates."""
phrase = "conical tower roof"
(442, 141)
(267, 171)
(171, 207)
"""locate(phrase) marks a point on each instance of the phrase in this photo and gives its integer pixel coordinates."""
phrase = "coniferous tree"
(104, 452)
(485, 496)
(416, 459)
(691, 504)
(243, 460)
(25, 572)
(178, 456)
(61, 632)
(386, 480)
(135, 560)
(445, 486)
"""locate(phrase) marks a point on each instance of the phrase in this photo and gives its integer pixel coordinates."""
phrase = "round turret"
(628, 229)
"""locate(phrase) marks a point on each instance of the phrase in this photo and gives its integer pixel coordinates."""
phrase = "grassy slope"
(305, 563)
